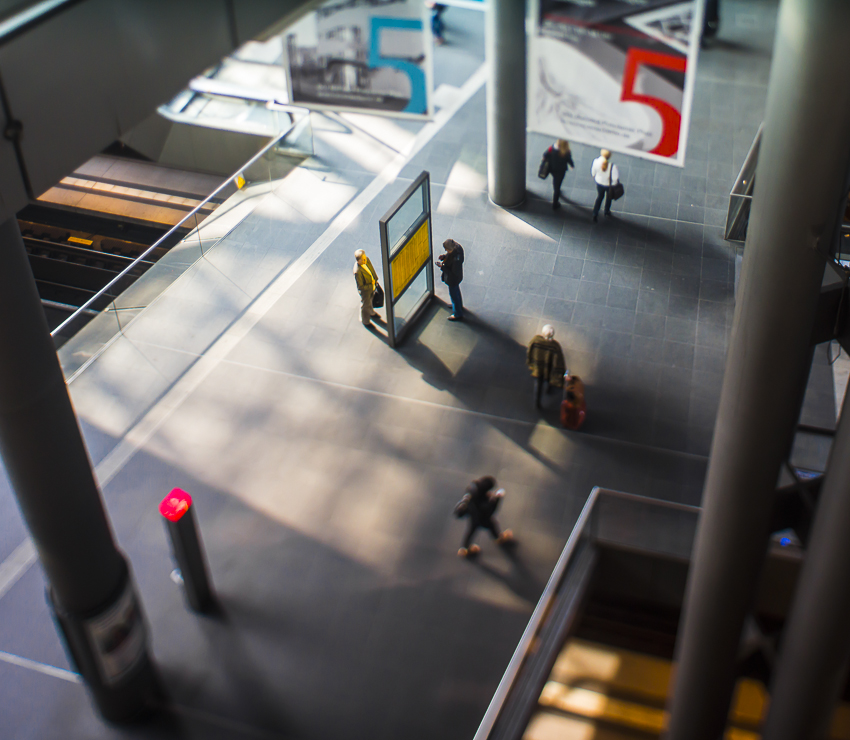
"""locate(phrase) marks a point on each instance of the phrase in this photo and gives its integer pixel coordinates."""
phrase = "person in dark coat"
(451, 267)
(560, 160)
(545, 360)
(479, 503)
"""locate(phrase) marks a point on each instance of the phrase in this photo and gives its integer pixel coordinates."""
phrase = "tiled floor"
(325, 465)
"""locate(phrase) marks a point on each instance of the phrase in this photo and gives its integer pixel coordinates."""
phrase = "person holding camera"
(451, 267)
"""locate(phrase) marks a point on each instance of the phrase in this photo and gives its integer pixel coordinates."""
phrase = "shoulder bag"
(617, 191)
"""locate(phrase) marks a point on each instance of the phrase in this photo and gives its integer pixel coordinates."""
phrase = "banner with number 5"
(364, 55)
(616, 74)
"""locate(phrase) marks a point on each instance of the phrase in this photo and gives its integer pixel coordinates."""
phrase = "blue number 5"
(418, 98)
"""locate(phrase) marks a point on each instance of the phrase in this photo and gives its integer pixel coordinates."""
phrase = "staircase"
(598, 692)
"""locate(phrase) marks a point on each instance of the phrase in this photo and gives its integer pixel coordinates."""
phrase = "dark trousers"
(538, 390)
(556, 182)
(474, 524)
(602, 191)
(457, 300)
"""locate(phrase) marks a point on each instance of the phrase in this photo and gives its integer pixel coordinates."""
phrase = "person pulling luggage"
(545, 360)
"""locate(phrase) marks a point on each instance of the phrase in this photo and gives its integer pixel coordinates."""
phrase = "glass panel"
(85, 336)
(406, 217)
(410, 300)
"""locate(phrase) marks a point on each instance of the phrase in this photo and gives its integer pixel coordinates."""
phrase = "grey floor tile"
(596, 293)
(619, 319)
(628, 277)
(658, 260)
(540, 263)
(614, 343)
(596, 272)
(650, 325)
(720, 291)
(568, 267)
(652, 302)
(622, 298)
(647, 349)
(680, 330)
(563, 288)
(587, 314)
(656, 282)
(601, 251)
(629, 256)
(558, 310)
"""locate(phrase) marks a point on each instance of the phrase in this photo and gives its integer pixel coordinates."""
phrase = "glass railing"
(608, 519)
(85, 334)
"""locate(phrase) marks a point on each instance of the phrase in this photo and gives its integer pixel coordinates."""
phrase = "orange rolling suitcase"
(573, 406)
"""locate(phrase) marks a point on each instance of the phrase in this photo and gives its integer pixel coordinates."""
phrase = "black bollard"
(187, 549)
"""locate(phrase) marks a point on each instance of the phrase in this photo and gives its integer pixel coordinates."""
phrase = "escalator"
(73, 255)
(596, 660)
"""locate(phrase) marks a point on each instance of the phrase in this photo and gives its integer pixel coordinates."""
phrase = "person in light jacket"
(367, 280)
(605, 174)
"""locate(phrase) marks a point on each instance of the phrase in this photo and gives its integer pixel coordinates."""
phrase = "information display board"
(407, 255)
(615, 74)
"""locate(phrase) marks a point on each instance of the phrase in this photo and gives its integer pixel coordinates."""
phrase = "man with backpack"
(479, 504)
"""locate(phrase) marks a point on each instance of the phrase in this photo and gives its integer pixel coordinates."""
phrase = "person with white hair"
(605, 175)
(367, 282)
(545, 360)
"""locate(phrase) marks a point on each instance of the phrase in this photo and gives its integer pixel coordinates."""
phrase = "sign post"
(407, 255)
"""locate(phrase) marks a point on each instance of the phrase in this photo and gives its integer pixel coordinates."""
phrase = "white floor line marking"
(34, 665)
(147, 426)
(13, 567)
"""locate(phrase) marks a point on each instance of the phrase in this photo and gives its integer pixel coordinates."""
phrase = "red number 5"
(670, 119)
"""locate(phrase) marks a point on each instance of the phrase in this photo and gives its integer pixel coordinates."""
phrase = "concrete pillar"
(505, 47)
(816, 641)
(802, 165)
(90, 589)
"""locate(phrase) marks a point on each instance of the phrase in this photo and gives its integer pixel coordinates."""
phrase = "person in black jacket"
(451, 266)
(479, 503)
(560, 160)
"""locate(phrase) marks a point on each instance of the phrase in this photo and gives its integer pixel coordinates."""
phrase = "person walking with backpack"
(451, 267)
(606, 175)
(560, 159)
(479, 503)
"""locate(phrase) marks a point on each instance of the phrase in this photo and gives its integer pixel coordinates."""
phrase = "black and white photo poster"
(364, 55)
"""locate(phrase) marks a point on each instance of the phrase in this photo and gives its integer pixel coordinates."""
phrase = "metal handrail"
(141, 257)
(34, 15)
(542, 608)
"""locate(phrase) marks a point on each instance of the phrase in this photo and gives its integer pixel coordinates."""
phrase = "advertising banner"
(617, 74)
(372, 56)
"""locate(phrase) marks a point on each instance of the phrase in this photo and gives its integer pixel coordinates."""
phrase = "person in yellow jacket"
(367, 280)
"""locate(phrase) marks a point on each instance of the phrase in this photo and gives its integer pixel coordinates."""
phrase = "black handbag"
(378, 297)
(617, 191)
(543, 170)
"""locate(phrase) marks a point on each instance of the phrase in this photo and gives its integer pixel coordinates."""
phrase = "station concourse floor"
(324, 465)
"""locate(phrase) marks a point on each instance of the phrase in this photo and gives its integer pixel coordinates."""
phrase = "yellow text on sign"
(410, 258)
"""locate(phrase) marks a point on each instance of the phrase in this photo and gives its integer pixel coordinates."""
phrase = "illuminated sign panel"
(410, 258)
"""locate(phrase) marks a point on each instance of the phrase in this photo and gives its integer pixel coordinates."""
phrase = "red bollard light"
(186, 547)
